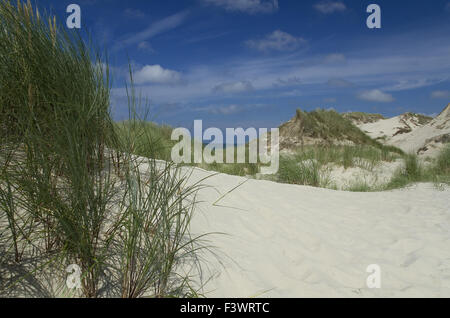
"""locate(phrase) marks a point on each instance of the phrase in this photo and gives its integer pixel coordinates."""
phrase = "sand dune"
(409, 135)
(296, 241)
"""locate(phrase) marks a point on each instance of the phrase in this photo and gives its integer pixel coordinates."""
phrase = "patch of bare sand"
(296, 241)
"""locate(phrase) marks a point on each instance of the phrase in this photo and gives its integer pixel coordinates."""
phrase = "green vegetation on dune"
(147, 139)
(71, 192)
(443, 161)
(48, 75)
(327, 125)
(346, 156)
(310, 165)
(437, 171)
(238, 169)
(309, 172)
(361, 117)
(421, 119)
(330, 127)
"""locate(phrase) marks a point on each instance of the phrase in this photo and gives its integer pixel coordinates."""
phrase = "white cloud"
(289, 81)
(339, 83)
(407, 84)
(328, 7)
(153, 30)
(379, 67)
(334, 58)
(276, 41)
(145, 46)
(247, 6)
(222, 110)
(234, 87)
(440, 94)
(376, 95)
(291, 93)
(227, 110)
(156, 74)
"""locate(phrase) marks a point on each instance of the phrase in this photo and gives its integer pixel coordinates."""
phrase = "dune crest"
(413, 133)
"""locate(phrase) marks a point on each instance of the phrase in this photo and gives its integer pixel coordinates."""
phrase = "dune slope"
(411, 134)
(294, 241)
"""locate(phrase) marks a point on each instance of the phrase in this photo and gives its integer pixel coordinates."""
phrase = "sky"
(252, 63)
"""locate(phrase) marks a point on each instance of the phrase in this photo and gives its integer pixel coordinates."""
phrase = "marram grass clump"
(71, 192)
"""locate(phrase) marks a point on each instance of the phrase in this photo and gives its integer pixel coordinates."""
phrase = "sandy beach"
(295, 241)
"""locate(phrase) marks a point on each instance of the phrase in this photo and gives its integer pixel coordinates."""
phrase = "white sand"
(419, 138)
(343, 179)
(296, 241)
(386, 128)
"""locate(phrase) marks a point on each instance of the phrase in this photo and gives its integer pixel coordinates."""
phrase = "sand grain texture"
(296, 241)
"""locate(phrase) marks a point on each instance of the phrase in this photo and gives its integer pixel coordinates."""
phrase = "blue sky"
(251, 63)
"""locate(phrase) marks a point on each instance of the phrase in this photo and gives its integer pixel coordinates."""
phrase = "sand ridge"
(295, 241)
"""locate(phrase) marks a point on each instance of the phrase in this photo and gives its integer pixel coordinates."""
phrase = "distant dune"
(412, 132)
(321, 127)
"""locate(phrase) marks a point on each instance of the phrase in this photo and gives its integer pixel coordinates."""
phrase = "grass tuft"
(71, 192)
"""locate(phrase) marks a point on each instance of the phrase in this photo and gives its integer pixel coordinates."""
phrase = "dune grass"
(71, 192)
(443, 162)
(361, 186)
(309, 172)
(438, 171)
(330, 127)
(236, 169)
(362, 117)
(139, 133)
(310, 165)
(160, 147)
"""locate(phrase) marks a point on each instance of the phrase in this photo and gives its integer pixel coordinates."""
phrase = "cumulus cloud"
(328, 7)
(156, 74)
(247, 6)
(234, 87)
(376, 95)
(440, 94)
(276, 41)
